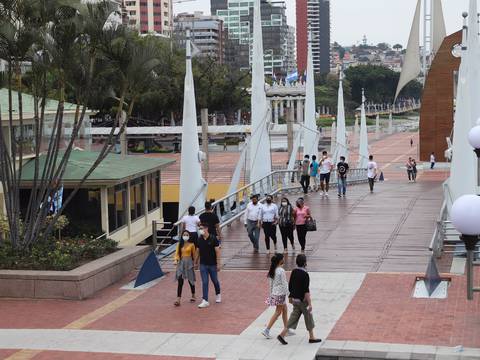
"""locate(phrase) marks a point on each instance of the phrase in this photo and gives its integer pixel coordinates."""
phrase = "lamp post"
(474, 140)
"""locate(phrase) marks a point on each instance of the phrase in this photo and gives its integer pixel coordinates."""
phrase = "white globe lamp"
(465, 215)
(474, 136)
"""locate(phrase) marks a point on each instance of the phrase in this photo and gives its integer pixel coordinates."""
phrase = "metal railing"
(232, 206)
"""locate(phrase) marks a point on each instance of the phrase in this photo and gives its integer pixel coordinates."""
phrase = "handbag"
(311, 224)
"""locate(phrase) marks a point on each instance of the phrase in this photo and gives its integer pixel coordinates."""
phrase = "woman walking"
(185, 259)
(286, 223)
(278, 293)
(190, 223)
(414, 170)
(409, 167)
(301, 215)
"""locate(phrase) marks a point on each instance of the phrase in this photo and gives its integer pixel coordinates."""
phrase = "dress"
(185, 267)
(278, 288)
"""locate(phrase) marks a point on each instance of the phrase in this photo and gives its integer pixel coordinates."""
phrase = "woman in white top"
(190, 223)
(278, 293)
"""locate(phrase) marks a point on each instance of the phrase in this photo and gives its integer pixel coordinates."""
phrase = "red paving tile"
(243, 295)
(52, 314)
(5, 353)
(384, 311)
(62, 355)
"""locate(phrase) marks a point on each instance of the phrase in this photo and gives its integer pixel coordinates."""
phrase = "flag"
(292, 77)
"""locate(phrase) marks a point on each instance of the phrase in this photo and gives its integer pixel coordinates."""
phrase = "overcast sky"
(380, 20)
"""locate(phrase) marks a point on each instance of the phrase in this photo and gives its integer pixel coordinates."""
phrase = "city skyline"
(364, 19)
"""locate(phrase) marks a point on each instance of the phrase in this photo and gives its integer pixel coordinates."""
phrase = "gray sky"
(380, 20)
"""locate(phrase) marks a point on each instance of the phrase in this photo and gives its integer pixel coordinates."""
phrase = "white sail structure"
(341, 148)
(439, 31)
(310, 133)
(333, 138)
(260, 157)
(192, 185)
(363, 146)
(463, 168)
(411, 63)
(237, 173)
(356, 133)
(296, 148)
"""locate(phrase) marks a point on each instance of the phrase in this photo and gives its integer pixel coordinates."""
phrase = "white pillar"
(282, 112)
(275, 111)
(300, 119)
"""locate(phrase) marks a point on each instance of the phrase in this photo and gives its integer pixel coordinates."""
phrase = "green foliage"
(56, 255)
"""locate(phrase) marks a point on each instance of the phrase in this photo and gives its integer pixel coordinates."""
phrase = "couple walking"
(268, 216)
(298, 292)
(411, 166)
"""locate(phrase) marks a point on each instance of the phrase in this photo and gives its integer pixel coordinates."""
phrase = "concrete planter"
(76, 284)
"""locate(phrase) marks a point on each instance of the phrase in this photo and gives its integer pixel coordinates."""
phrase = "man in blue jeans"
(208, 254)
(342, 170)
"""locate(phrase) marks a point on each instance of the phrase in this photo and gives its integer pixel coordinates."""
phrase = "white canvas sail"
(363, 146)
(341, 146)
(260, 157)
(310, 138)
(439, 31)
(192, 185)
(237, 174)
(463, 166)
(296, 147)
(411, 63)
(333, 138)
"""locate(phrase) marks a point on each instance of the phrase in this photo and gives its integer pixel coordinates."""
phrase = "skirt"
(275, 300)
(185, 270)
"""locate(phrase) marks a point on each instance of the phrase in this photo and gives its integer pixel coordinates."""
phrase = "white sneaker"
(218, 299)
(326, 193)
(290, 332)
(266, 333)
(203, 304)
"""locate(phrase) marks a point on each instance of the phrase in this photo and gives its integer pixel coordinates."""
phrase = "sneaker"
(326, 194)
(290, 332)
(204, 304)
(266, 333)
(282, 340)
(314, 341)
(339, 195)
(218, 299)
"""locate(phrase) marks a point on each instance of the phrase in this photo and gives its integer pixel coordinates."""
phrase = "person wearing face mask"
(301, 214)
(252, 221)
(286, 223)
(184, 258)
(268, 221)
(208, 255)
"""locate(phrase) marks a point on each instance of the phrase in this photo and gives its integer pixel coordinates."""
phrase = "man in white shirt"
(268, 220)
(432, 160)
(252, 221)
(326, 166)
(371, 172)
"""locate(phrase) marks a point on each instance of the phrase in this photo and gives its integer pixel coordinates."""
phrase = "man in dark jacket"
(299, 287)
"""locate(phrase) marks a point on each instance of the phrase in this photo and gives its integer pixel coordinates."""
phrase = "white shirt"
(253, 212)
(269, 213)
(191, 222)
(279, 284)
(326, 166)
(432, 158)
(371, 167)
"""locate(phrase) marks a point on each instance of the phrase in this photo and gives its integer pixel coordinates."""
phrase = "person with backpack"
(409, 167)
(184, 259)
(342, 170)
(326, 166)
(314, 165)
(286, 222)
(305, 177)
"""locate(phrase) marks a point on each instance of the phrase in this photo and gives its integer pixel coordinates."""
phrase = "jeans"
(432, 165)
(410, 175)
(305, 182)
(253, 232)
(302, 235)
(205, 271)
(270, 231)
(371, 182)
(287, 234)
(342, 185)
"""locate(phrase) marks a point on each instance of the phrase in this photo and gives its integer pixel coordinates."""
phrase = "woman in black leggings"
(286, 223)
(301, 214)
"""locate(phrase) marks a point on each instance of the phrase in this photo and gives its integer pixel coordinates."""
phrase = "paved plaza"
(363, 264)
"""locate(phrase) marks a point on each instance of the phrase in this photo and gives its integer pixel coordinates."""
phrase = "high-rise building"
(316, 14)
(149, 16)
(207, 34)
(238, 21)
(291, 58)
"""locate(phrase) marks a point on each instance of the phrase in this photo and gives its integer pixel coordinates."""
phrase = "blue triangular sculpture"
(150, 270)
(432, 277)
(381, 178)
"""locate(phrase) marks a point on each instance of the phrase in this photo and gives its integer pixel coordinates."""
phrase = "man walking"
(252, 221)
(342, 170)
(305, 179)
(208, 254)
(372, 169)
(409, 167)
(212, 221)
(314, 173)
(268, 221)
(326, 166)
(299, 288)
(432, 160)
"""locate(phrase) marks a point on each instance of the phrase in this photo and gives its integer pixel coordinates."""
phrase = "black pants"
(302, 235)
(305, 182)
(371, 182)
(180, 286)
(410, 174)
(270, 231)
(287, 234)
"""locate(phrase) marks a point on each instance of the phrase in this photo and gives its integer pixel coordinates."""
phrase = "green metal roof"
(112, 170)
(27, 102)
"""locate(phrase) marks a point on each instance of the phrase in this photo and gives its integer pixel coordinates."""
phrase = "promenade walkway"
(363, 263)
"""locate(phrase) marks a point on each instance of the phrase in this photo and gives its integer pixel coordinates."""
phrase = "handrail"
(436, 245)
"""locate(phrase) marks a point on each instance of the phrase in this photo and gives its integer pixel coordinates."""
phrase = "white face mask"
(186, 238)
(284, 203)
(201, 232)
